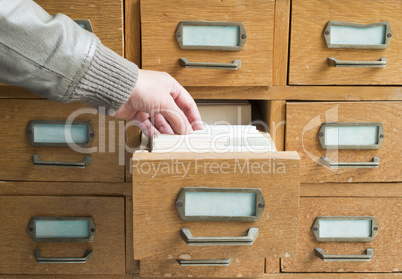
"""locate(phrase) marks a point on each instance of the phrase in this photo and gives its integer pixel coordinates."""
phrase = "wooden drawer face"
(17, 152)
(386, 246)
(106, 18)
(171, 268)
(309, 51)
(161, 50)
(17, 247)
(157, 223)
(303, 123)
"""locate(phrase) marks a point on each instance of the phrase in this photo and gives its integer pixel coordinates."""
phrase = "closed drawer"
(19, 251)
(47, 156)
(309, 52)
(305, 129)
(175, 205)
(386, 245)
(106, 18)
(171, 268)
(161, 49)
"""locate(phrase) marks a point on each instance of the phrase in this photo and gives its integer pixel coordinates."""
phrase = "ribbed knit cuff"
(108, 82)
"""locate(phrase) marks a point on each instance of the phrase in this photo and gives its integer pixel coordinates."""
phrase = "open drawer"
(213, 206)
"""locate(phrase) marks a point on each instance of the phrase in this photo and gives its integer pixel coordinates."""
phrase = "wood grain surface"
(309, 53)
(157, 223)
(170, 268)
(387, 245)
(17, 247)
(16, 151)
(303, 121)
(161, 51)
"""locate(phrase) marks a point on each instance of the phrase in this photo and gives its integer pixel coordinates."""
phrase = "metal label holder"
(380, 137)
(259, 204)
(91, 229)
(242, 35)
(31, 133)
(374, 228)
(387, 39)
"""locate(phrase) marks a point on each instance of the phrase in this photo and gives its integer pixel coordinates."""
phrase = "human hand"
(160, 105)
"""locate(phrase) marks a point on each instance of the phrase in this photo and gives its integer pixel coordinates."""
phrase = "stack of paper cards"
(216, 138)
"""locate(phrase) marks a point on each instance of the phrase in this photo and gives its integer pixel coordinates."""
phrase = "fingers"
(187, 104)
(141, 119)
(161, 124)
(176, 118)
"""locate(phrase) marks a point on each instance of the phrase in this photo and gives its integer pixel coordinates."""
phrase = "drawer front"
(303, 124)
(17, 247)
(159, 230)
(171, 268)
(161, 50)
(106, 18)
(386, 246)
(101, 161)
(309, 52)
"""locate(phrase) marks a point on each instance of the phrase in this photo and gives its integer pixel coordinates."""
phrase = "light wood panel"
(281, 42)
(303, 121)
(157, 223)
(312, 93)
(62, 276)
(387, 246)
(272, 265)
(170, 268)
(160, 50)
(106, 17)
(132, 266)
(309, 53)
(17, 247)
(9, 188)
(334, 276)
(351, 190)
(16, 158)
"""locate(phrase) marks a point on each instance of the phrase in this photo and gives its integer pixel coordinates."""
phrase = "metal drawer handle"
(87, 161)
(220, 262)
(357, 64)
(327, 162)
(88, 255)
(202, 65)
(344, 258)
(210, 241)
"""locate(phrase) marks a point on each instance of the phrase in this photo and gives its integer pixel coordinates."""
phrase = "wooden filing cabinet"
(107, 247)
(385, 245)
(100, 160)
(304, 131)
(161, 49)
(159, 227)
(309, 53)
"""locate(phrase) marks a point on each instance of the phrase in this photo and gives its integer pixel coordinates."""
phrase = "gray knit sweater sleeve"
(108, 82)
(55, 58)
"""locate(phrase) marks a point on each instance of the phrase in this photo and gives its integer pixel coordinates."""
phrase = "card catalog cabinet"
(224, 206)
(346, 141)
(62, 235)
(345, 43)
(38, 145)
(209, 43)
(348, 235)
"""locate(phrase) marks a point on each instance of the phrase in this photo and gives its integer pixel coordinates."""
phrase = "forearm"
(54, 58)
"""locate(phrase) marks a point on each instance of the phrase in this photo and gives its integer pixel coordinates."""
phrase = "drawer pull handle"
(210, 241)
(327, 162)
(87, 161)
(88, 255)
(357, 64)
(220, 262)
(344, 258)
(217, 66)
